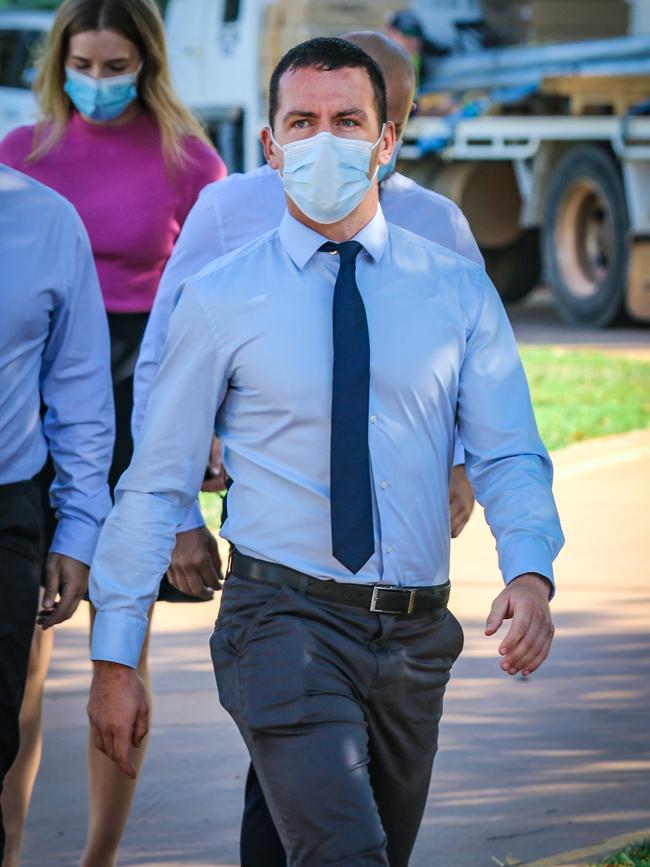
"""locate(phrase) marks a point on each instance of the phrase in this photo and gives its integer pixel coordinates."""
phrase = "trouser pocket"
(246, 620)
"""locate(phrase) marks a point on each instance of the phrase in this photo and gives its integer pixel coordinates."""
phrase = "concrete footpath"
(527, 769)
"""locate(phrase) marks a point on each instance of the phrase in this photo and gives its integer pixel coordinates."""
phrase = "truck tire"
(516, 269)
(585, 246)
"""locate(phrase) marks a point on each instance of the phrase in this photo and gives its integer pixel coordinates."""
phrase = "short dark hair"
(328, 53)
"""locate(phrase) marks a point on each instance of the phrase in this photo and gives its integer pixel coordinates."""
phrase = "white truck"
(214, 56)
(556, 183)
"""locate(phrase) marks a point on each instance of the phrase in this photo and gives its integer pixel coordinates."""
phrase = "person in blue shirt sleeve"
(333, 357)
(242, 207)
(54, 346)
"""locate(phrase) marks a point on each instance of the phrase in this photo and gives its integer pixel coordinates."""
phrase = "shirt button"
(373, 419)
(389, 549)
(384, 484)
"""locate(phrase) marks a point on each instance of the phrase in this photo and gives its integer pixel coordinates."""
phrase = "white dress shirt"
(249, 354)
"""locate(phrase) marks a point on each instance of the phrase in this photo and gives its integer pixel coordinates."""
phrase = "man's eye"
(348, 122)
(300, 124)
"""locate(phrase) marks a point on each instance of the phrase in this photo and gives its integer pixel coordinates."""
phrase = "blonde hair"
(140, 22)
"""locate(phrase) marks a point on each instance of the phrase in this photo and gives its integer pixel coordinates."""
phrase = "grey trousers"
(339, 708)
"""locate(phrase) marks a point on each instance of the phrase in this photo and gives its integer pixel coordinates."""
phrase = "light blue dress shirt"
(249, 354)
(54, 342)
(235, 211)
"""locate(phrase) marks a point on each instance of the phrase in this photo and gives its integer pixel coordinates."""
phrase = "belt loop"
(387, 625)
(303, 582)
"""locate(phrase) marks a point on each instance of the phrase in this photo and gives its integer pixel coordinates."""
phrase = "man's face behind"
(399, 95)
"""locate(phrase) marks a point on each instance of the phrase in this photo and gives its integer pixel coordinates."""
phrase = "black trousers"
(259, 841)
(21, 556)
(339, 709)
(126, 330)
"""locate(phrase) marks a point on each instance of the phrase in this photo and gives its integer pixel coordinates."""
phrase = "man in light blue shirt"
(237, 210)
(231, 213)
(336, 342)
(54, 347)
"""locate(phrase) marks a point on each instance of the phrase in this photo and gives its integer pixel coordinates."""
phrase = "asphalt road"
(536, 321)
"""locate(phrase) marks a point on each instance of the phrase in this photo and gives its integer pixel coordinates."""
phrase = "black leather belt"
(381, 598)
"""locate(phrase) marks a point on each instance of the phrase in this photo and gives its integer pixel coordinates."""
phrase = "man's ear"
(387, 144)
(272, 154)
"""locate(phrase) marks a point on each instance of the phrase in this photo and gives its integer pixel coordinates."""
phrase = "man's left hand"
(461, 499)
(525, 601)
(67, 578)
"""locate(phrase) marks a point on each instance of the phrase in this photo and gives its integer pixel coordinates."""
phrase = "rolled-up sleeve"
(507, 464)
(76, 388)
(155, 494)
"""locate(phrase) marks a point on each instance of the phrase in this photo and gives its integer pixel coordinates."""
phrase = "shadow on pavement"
(536, 320)
(529, 768)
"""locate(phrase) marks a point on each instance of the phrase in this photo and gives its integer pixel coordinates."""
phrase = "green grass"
(580, 394)
(211, 509)
(637, 855)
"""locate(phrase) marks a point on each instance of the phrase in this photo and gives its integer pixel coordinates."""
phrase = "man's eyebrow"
(351, 112)
(298, 113)
(346, 112)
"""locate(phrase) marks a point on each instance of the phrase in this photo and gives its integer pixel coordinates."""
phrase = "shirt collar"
(301, 242)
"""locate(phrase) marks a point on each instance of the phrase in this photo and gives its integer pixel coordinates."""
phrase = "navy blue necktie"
(351, 502)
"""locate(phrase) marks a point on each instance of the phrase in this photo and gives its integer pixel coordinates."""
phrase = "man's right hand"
(118, 712)
(195, 568)
(66, 578)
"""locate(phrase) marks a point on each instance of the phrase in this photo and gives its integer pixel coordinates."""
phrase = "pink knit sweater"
(133, 209)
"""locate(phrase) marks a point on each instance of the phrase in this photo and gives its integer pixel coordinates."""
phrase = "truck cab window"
(17, 57)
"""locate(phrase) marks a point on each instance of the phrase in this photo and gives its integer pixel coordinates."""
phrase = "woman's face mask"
(327, 176)
(100, 98)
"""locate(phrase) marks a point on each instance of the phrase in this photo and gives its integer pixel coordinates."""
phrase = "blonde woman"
(114, 140)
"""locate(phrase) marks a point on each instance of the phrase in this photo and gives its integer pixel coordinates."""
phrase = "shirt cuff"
(528, 558)
(118, 638)
(193, 520)
(459, 452)
(75, 539)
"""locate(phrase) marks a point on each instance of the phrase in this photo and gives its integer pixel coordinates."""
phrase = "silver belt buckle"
(391, 588)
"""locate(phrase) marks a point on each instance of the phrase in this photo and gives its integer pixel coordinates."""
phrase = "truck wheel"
(515, 270)
(585, 238)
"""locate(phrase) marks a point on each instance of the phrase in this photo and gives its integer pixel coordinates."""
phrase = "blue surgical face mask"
(100, 98)
(326, 175)
(386, 171)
